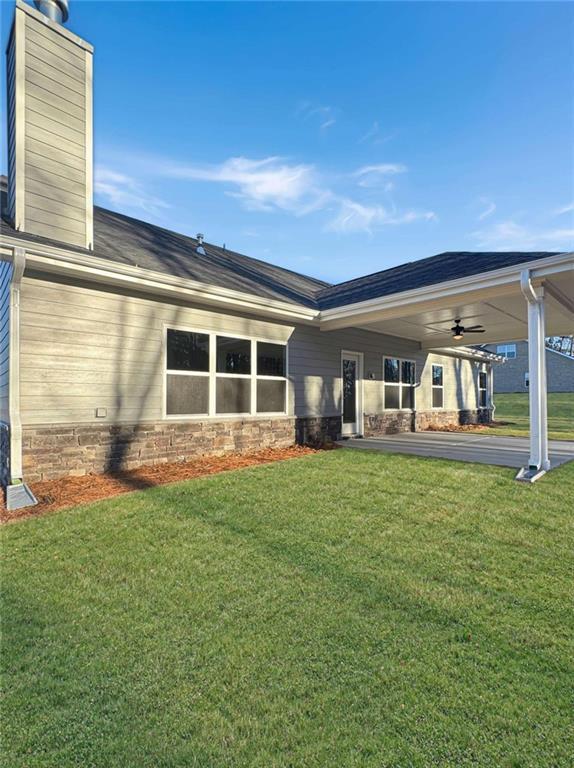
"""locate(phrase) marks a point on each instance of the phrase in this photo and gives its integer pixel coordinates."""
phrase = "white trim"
(19, 181)
(84, 266)
(491, 283)
(89, 149)
(214, 375)
(53, 25)
(359, 357)
(400, 384)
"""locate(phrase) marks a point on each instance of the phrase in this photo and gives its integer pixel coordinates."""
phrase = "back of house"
(514, 376)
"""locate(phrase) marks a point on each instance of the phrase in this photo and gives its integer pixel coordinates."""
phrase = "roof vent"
(200, 249)
(56, 10)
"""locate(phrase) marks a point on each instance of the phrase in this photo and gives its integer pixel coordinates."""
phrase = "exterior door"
(352, 400)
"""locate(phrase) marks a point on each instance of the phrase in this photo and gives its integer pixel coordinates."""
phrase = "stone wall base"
(74, 450)
(316, 430)
(407, 421)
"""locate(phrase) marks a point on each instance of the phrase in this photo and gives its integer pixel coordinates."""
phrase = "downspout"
(17, 493)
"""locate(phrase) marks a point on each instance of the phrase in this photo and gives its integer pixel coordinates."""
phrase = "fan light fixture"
(459, 330)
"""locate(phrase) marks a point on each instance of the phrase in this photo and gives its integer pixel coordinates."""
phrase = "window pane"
(437, 375)
(391, 369)
(187, 395)
(482, 380)
(270, 359)
(408, 372)
(349, 391)
(392, 397)
(408, 397)
(482, 398)
(233, 355)
(271, 396)
(437, 398)
(511, 351)
(233, 395)
(187, 351)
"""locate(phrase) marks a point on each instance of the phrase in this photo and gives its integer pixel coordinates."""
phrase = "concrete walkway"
(459, 446)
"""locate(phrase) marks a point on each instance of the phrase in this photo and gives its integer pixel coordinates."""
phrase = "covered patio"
(511, 452)
(529, 296)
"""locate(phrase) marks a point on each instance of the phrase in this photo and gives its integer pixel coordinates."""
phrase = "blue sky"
(337, 139)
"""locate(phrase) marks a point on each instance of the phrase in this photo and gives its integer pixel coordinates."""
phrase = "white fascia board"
(54, 260)
(491, 283)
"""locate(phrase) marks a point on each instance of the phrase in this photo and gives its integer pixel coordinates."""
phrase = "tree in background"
(564, 344)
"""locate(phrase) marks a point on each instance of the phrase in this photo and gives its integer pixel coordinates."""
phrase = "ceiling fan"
(459, 330)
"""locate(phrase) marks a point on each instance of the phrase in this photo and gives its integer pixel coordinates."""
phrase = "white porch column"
(538, 461)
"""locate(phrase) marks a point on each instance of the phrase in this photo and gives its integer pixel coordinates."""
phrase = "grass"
(513, 410)
(343, 609)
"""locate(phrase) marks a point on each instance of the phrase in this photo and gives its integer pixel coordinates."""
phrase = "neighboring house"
(513, 375)
(127, 344)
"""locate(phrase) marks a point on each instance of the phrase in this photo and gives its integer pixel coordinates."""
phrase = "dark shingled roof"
(125, 240)
(417, 274)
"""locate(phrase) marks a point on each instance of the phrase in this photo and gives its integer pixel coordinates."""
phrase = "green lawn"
(513, 409)
(344, 609)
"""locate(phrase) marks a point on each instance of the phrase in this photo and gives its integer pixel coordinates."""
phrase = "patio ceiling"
(493, 300)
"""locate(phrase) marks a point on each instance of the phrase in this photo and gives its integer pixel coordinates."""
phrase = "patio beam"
(538, 462)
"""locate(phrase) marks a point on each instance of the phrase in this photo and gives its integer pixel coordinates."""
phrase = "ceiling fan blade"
(474, 330)
(473, 327)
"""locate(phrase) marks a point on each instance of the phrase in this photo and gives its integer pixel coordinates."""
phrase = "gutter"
(54, 260)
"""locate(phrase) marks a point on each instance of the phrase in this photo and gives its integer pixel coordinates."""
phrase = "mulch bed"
(466, 427)
(65, 492)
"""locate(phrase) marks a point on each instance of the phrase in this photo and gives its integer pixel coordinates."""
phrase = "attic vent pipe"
(56, 10)
(200, 249)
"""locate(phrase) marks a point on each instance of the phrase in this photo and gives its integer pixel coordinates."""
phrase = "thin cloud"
(325, 115)
(510, 235)
(374, 135)
(565, 209)
(124, 191)
(374, 175)
(266, 184)
(353, 216)
(488, 210)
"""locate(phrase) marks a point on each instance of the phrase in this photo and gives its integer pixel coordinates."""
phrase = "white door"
(352, 407)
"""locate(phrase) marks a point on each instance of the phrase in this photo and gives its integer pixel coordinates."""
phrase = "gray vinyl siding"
(84, 348)
(54, 141)
(5, 277)
(510, 375)
(11, 113)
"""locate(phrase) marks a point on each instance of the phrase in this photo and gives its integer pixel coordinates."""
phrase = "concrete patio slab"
(482, 449)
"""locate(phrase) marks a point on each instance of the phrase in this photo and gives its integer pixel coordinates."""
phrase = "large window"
(398, 384)
(437, 386)
(506, 350)
(212, 375)
(482, 389)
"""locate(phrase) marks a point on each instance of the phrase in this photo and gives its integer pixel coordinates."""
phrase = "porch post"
(538, 462)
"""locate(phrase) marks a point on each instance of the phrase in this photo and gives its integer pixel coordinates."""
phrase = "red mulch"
(71, 491)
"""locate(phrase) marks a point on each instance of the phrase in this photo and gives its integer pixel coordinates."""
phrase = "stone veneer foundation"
(50, 452)
(80, 449)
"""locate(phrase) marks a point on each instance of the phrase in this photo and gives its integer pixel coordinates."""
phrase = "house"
(127, 344)
(513, 375)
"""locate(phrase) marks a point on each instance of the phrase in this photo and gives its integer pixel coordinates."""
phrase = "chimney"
(50, 155)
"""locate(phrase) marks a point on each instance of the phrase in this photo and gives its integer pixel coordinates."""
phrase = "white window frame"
(508, 351)
(482, 389)
(437, 386)
(213, 375)
(400, 384)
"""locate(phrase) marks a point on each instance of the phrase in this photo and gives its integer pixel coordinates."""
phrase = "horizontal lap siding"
(315, 366)
(55, 136)
(5, 276)
(84, 349)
